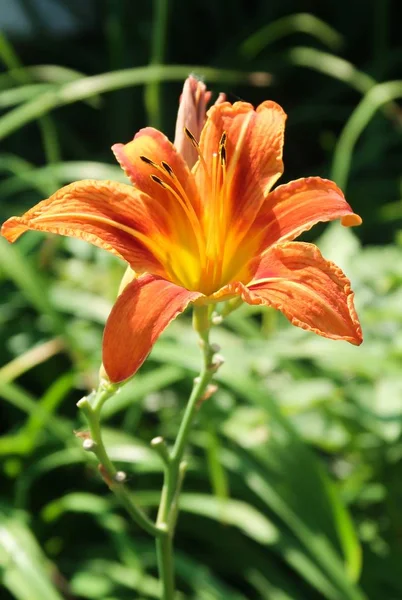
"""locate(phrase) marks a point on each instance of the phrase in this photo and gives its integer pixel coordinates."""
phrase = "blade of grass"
(28, 281)
(33, 357)
(56, 74)
(21, 399)
(98, 84)
(296, 23)
(64, 172)
(25, 569)
(33, 286)
(47, 127)
(153, 89)
(329, 64)
(16, 95)
(378, 96)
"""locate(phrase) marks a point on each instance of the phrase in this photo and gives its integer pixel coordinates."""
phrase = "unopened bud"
(216, 319)
(159, 444)
(120, 477)
(197, 380)
(211, 389)
(217, 362)
(82, 401)
(215, 348)
(88, 445)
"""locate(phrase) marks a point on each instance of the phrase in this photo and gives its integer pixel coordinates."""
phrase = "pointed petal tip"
(12, 229)
(313, 293)
(141, 313)
(351, 220)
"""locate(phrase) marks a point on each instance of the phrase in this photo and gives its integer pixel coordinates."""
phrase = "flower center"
(204, 253)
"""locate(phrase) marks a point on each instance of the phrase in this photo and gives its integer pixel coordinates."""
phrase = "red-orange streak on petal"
(296, 206)
(311, 292)
(154, 145)
(254, 154)
(140, 315)
(107, 214)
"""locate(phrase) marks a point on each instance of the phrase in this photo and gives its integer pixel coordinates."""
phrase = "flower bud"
(191, 116)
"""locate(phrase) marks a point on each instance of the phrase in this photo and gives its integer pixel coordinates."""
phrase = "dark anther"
(167, 168)
(223, 139)
(147, 160)
(191, 137)
(157, 180)
(222, 154)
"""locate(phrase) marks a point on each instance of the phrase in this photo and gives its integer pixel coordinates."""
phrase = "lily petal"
(296, 206)
(311, 292)
(110, 215)
(152, 144)
(141, 313)
(254, 142)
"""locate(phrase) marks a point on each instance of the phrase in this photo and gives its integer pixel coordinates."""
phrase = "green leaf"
(91, 86)
(27, 574)
(375, 98)
(296, 23)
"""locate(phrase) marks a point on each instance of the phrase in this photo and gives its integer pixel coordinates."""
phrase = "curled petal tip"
(352, 220)
(12, 229)
(141, 313)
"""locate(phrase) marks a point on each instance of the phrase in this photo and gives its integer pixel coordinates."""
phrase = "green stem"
(164, 552)
(175, 467)
(108, 471)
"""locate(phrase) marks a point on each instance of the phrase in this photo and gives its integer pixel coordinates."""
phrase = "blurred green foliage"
(294, 489)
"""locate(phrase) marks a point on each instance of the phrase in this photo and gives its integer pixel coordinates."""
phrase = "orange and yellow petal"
(296, 206)
(110, 215)
(141, 313)
(154, 145)
(253, 148)
(311, 292)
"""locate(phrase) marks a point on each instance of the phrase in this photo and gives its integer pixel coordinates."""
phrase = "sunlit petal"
(296, 206)
(312, 292)
(254, 142)
(110, 215)
(141, 313)
(151, 144)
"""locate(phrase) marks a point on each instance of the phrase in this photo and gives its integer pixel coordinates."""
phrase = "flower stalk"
(91, 408)
(174, 467)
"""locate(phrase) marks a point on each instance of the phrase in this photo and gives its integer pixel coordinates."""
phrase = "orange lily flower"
(208, 233)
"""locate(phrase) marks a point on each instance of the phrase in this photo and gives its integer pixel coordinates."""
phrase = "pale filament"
(197, 147)
(181, 196)
(216, 224)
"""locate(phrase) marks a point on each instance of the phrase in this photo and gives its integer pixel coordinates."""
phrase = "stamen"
(159, 181)
(185, 204)
(147, 160)
(222, 154)
(223, 139)
(191, 137)
(168, 169)
(197, 147)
